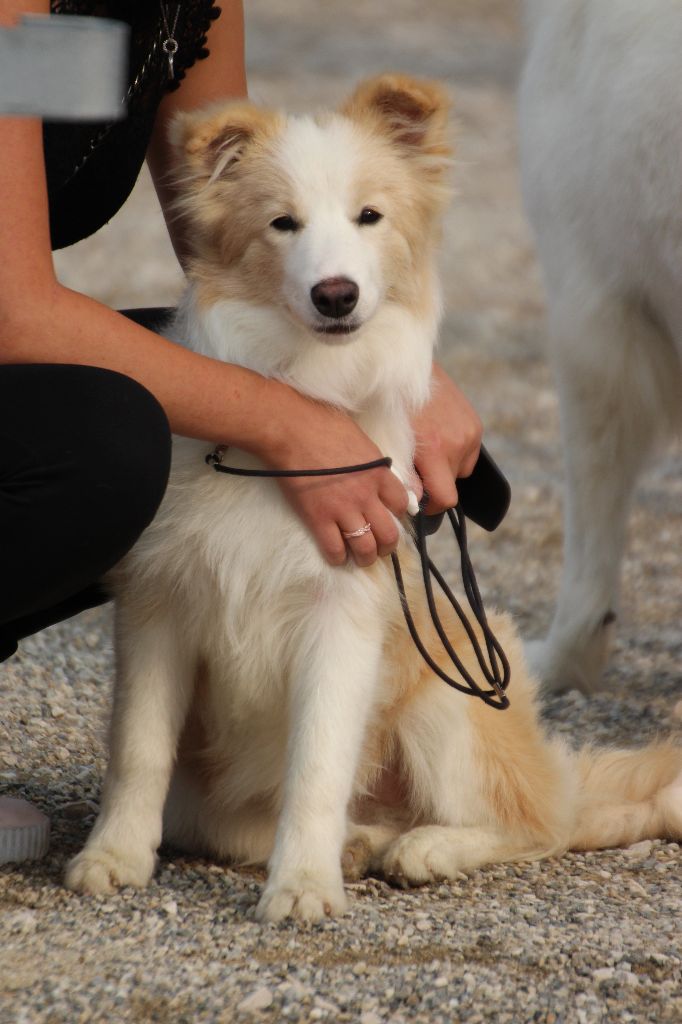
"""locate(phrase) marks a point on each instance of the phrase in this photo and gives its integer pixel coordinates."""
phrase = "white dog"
(276, 704)
(601, 133)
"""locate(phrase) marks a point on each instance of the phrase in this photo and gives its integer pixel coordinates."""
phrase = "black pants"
(84, 462)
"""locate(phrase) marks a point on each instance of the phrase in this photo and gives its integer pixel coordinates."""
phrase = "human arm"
(221, 76)
(42, 321)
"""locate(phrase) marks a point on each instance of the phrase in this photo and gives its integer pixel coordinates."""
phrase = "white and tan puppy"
(275, 705)
(601, 140)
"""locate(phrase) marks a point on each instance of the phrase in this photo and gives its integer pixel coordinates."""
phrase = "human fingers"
(448, 434)
(385, 528)
(439, 484)
(361, 543)
(392, 493)
(376, 498)
(330, 542)
(330, 506)
(470, 449)
(445, 455)
(375, 532)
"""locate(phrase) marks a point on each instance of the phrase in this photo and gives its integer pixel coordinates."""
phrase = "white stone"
(23, 921)
(260, 999)
(639, 850)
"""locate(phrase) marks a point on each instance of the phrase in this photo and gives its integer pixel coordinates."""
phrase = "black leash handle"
(496, 669)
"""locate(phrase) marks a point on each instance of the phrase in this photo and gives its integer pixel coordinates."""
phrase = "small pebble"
(258, 1000)
(370, 1017)
(639, 851)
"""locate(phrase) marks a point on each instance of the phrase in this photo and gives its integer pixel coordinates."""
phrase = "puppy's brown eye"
(285, 223)
(369, 216)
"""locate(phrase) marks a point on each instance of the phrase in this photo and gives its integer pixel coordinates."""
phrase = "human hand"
(448, 436)
(316, 436)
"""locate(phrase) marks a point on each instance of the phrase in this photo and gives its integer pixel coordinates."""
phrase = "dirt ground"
(532, 940)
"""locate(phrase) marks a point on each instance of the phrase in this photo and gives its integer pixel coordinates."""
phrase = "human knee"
(132, 450)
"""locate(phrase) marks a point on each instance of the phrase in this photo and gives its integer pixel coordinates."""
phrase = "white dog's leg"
(609, 411)
(332, 692)
(150, 704)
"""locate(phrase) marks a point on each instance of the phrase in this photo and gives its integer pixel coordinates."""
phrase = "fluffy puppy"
(275, 705)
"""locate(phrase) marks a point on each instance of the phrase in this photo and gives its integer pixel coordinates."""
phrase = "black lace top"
(91, 168)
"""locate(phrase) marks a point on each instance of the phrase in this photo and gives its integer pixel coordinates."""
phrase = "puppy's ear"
(413, 112)
(209, 143)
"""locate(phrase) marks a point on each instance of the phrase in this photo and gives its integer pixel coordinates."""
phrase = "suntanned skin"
(41, 321)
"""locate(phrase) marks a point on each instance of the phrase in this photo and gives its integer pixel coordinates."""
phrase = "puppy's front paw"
(302, 898)
(99, 870)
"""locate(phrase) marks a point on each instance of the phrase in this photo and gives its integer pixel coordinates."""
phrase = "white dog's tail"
(628, 795)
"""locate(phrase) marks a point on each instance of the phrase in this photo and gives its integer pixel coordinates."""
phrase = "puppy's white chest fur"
(245, 575)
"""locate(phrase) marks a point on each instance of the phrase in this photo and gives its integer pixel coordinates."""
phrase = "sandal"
(24, 831)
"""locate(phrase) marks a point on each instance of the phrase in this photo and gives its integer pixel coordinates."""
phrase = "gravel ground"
(589, 938)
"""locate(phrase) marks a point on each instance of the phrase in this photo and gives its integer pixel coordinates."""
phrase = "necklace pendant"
(170, 48)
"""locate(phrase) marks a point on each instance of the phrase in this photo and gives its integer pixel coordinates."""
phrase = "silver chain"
(170, 43)
(137, 82)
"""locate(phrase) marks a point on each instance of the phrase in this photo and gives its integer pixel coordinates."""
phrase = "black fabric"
(84, 462)
(92, 167)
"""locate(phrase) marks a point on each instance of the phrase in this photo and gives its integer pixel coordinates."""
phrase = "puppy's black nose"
(335, 297)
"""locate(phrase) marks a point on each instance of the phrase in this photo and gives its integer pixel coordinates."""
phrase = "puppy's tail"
(628, 795)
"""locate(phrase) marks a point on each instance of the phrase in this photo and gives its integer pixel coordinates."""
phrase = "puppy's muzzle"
(335, 297)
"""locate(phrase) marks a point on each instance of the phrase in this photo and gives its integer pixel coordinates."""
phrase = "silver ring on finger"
(357, 533)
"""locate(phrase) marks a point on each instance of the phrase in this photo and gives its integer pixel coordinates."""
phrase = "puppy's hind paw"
(670, 802)
(100, 871)
(301, 899)
(422, 856)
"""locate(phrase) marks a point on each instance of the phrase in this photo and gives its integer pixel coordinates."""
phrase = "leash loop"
(496, 670)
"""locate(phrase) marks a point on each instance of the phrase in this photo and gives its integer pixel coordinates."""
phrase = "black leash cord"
(213, 459)
(497, 680)
(496, 672)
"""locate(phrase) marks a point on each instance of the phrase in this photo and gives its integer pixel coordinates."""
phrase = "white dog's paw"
(426, 854)
(559, 674)
(301, 897)
(575, 661)
(549, 669)
(98, 870)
